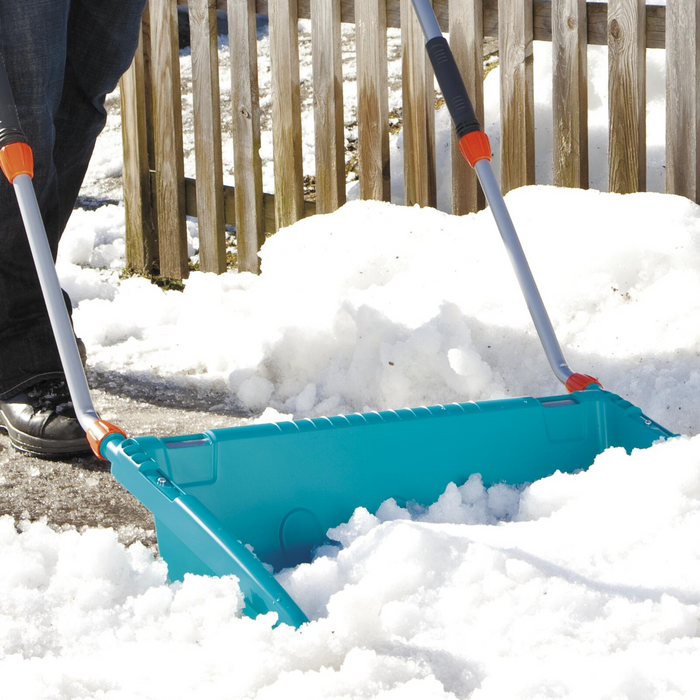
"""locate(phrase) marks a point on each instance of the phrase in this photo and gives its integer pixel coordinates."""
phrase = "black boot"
(41, 420)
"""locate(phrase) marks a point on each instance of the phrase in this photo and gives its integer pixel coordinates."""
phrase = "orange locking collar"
(475, 146)
(579, 382)
(99, 430)
(17, 159)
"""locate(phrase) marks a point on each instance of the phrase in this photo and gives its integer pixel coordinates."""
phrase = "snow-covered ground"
(577, 586)
(592, 592)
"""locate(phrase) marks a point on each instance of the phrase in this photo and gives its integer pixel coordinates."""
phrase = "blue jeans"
(62, 57)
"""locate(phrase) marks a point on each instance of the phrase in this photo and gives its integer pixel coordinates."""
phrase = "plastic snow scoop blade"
(279, 487)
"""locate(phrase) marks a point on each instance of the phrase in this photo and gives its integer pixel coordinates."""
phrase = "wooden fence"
(158, 197)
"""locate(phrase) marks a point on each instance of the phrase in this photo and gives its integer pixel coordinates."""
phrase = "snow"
(588, 589)
(576, 586)
(379, 306)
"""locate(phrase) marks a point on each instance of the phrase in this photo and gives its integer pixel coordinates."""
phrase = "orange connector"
(99, 430)
(17, 159)
(475, 146)
(579, 382)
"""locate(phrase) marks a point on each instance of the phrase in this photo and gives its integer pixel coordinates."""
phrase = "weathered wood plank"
(418, 95)
(230, 199)
(466, 41)
(683, 99)
(517, 94)
(245, 106)
(327, 58)
(148, 91)
(286, 112)
(167, 118)
(570, 93)
(597, 18)
(141, 237)
(207, 135)
(655, 24)
(372, 100)
(627, 96)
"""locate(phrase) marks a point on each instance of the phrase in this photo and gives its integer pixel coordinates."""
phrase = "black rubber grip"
(10, 128)
(452, 86)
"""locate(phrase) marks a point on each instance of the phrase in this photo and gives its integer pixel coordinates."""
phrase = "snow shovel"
(252, 500)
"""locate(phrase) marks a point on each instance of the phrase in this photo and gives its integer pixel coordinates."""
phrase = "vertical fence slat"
(167, 123)
(286, 112)
(148, 87)
(207, 135)
(372, 100)
(466, 42)
(515, 37)
(683, 98)
(570, 93)
(141, 237)
(327, 60)
(245, 106)
(418, 93)
(627, 95)
(564, 23)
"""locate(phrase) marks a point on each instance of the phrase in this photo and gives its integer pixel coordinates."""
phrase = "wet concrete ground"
(80, 491)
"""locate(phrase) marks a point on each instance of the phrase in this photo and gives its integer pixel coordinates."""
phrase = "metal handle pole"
(534, 302)
(428, 20)
(55, 305)
(17, 162)
(475, 147)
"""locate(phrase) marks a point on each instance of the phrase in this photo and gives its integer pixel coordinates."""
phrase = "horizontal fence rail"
(158, 197)
(542, 18)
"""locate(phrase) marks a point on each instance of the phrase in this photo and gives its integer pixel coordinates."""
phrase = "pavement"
(80, 491)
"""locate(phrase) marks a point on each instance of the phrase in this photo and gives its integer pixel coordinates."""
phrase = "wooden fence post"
(467, 43)
(682, 98)
(627, 90)
(570, 93)
(207, 135)
(372, 100)
(167, 123)
(245, 105)
(141, 236)
(515, 37)
(286, 112)
(628, 27)
(418, 93)
(327, 50)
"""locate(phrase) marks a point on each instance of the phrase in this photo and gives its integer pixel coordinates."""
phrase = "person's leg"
(62, 114)
(63, 58)
(102, 38)
(33, 44)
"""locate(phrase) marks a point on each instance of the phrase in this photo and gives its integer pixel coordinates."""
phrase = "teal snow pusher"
(252, 500)
(279, 487)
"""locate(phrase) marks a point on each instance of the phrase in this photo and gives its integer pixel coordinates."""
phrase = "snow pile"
(379, 306)
(591, 590)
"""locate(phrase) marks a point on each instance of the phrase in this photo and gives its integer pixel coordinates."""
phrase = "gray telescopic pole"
(475, 147)
(17, 162)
